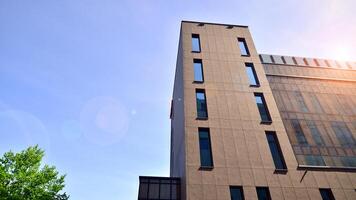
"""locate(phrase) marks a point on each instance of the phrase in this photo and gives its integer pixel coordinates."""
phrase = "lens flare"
(104, 120)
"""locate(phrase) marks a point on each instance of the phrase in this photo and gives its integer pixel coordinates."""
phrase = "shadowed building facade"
(251, 126)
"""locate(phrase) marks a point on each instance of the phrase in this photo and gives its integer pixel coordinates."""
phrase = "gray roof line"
(220, 24)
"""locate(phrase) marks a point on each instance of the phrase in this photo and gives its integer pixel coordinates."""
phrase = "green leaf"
(23, 178)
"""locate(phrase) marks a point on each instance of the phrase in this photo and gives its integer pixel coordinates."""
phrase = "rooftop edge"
(307, 62)
(211, 23)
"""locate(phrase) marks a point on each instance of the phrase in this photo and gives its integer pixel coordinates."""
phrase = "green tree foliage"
(23, 178)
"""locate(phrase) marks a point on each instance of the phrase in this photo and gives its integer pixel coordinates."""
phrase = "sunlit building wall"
(254, 126)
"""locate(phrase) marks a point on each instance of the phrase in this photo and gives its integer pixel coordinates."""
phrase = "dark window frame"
(250, 65)
(263, 121)
(239, 188)
(197, 60)
(328, 192)
(173, 182)
(243, 41)
(205, 167)
(196, 36)
(279, 151)
(267, 192)
(206, 104)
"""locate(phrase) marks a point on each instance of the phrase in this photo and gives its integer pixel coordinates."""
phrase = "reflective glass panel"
(236, 193)
(205, 147)
(198, 70)
(262, 107)
(201, 104)
(243, 47)
(195, 43)
(251, 73)
(275, 150)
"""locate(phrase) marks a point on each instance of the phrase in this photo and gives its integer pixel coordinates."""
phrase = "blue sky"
(91, 81)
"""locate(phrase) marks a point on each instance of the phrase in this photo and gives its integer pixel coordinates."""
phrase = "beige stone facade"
(240, 151)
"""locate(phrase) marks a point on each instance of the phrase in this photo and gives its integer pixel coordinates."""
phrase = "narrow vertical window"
(251, 73)
(236, 193)
(326, 194)
(206, 158)
(195, 43)
(263, 193)
(276, 151)
(198, 70)
(243, 47)
(299, 132)
(202, 110)
(262, 107)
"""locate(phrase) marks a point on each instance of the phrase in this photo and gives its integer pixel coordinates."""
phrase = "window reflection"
(251, 74)
(198, 70)
(243, 47)
(202, 110)
(195, 43)
(262, 107)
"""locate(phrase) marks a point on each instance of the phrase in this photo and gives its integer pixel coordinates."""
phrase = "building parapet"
(307, 62)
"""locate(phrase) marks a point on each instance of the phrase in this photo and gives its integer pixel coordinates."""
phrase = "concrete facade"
(240, 150)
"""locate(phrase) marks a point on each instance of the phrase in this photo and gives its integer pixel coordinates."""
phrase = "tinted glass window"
(243, 47)
(251, 73)
(153, 191)
(159, 188)
(299, 132)
(195, 43)
(343, 133)
(202, 111)
(263, 193)
(176, 191)
(198, 70)
(236, 193)
(262, 107)
(314, 99)
(326, 194)
(348, 161)
(165, 191)
(206, 159)
(143, 191)
(275, 150)
(315, 133)
(299, 98)
(314, 160)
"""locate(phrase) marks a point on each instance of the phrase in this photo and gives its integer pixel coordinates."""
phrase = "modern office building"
(254, 126)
